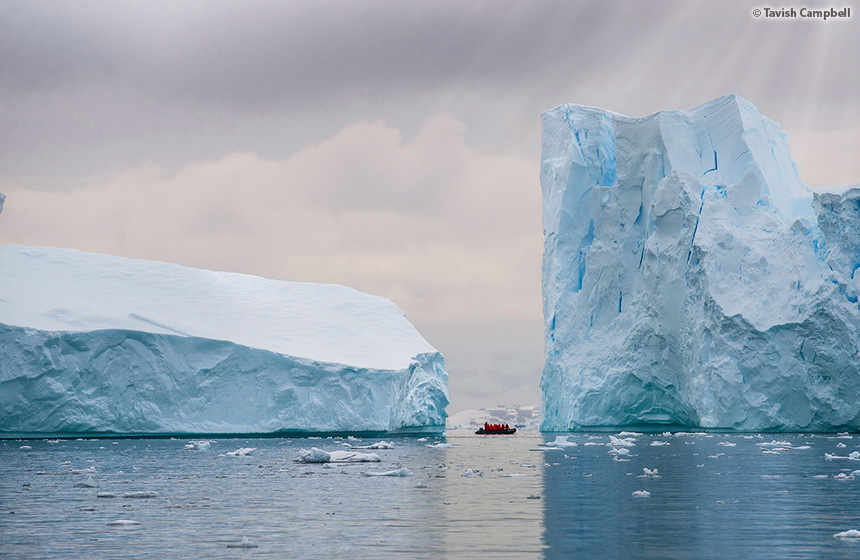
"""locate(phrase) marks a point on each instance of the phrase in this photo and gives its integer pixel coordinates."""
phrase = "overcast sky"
(390, 146)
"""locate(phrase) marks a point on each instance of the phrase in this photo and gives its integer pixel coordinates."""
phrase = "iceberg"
(691, 278)
(94, 343)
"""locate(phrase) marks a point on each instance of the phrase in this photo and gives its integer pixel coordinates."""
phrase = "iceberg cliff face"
(689, 276)
(94, 343)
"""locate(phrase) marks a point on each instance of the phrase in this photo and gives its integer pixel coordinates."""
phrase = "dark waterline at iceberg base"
(710, 495)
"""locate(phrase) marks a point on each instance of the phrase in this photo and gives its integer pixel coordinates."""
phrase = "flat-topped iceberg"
(690, 277)
(99, 344)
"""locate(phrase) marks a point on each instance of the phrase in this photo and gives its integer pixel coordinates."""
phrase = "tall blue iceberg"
(691, 278)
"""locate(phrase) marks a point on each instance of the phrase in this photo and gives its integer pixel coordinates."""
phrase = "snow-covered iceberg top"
(92, 342)
(690, 277)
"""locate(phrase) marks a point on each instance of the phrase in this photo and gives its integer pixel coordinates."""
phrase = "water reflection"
(499, 512)
(712, 500)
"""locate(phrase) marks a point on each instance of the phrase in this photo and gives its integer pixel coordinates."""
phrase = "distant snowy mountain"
(524, 417)
(95, 343)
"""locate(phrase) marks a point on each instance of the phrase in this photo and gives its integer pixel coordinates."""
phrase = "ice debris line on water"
(96, 343)
(690, 277)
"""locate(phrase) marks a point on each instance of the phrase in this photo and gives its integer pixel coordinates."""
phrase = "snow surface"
(689, 277)
(96, 343)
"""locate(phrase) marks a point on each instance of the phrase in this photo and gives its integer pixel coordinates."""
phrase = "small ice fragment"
(198, 445)
(802, 447)
(840, 445)
(421, 439)
(397, 472)
(819, 476)
(843, 476)
(856, 473)
(440, 445)
(470, 473)
(123, 522)
(621, 442)
(139, 494)
(619, 451)
(770, 452)
(591, 443)
(105, 495)
(629, 434)
(854, 456)
(659, 443)
(726, 444)
(246, 543)
(648, 473)
(241, 452)
(378, 445)
(642, 494)
(849, 534)
(26, 447)
(831, 457)
(774, 443)
(88, 483)
(560, 441)
(316, 455)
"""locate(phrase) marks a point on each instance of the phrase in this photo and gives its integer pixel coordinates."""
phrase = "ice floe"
(123, 522)
(241, 452)
(316, 455)
(642, 494)
(849, 534)
(246, 543)
(395, 473)
(198, 445)
(440, 445)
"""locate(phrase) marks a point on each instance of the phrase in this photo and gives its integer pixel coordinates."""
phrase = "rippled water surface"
(712, 496)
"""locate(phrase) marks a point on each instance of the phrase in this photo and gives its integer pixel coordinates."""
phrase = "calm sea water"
(712, 499)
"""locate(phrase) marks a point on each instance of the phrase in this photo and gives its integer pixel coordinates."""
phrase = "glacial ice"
(100, 344)
(691, 278)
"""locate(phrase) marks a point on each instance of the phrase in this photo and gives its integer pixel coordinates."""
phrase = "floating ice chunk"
(316, 455)
(819, 476)
(856, 473)
(396, 472)
(648, 473)
(840, 445)
(629, 434)
(854, 456)
(123, 522)
(421, 439)
(844, 435)
(770, 452)
(849, 534)
(727, 444)
(198, 445)
(378, 445)
(90, 482)
(832, 457)
(560, 441)
(659, 443)
(105, 495)
(591, 443)
(440, 445)
(619, 451)
(843, 476)
(774, 443)
(241, 452)
(642, 494)
(246, 543)
(139, 494)
(621, 442)
(472, 473)
(802, 447)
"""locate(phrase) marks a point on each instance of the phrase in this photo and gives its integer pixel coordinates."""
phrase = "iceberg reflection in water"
(708, 496)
